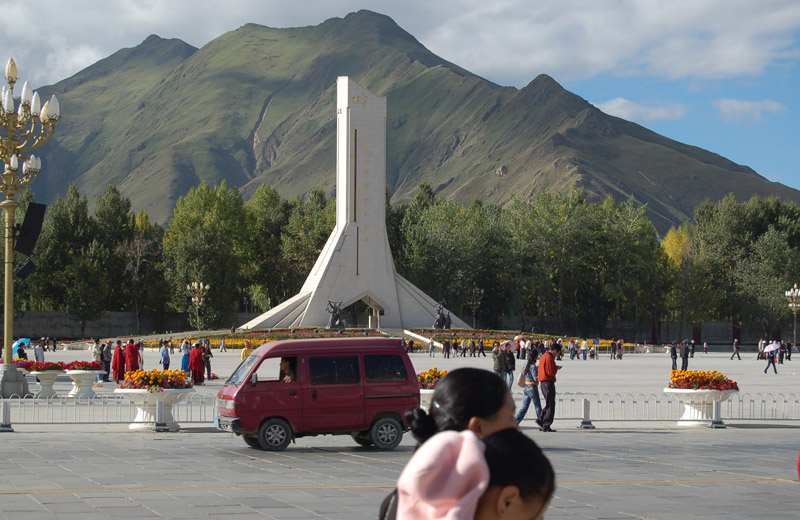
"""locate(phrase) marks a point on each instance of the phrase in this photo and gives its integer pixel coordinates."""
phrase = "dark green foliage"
(205, 243)
(558, 263)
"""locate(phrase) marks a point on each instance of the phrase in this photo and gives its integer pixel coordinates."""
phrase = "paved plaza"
(619, 470)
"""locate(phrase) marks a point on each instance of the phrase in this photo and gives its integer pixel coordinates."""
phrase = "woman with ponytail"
(466, 399)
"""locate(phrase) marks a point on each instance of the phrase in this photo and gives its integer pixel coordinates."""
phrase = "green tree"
(720, 241)
(85, 286)
(267, 214)
(142, 255)
(66, 238)
(206, 241)
(304, 235)
(113, 227)
(763, 275)
(627, 252)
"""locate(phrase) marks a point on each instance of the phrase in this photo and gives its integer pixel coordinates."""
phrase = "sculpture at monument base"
(336, 321)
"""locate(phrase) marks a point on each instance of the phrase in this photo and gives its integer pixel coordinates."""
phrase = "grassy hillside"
(256, 105)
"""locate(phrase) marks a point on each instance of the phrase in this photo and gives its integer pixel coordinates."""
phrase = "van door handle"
(293, 394)
(314, 395)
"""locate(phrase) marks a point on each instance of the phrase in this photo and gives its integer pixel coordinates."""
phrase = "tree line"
(555, 259)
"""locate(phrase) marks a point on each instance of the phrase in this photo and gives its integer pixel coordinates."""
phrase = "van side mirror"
(254, 379)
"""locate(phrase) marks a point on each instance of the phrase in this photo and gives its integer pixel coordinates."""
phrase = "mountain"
(256, 105)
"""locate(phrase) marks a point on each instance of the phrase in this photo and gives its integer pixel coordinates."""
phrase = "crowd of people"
(129, 356)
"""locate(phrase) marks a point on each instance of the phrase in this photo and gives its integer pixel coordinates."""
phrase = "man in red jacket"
(547, 382)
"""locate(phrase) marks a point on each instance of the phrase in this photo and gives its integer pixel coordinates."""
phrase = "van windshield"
(238, 376)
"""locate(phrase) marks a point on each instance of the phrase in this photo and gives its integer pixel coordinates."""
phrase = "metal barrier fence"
(569, 406)
(664, 407)
(102, 409)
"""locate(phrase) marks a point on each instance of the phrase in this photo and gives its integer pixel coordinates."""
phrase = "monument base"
(12, 382)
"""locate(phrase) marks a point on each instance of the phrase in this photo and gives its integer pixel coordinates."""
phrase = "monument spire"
(356, 262)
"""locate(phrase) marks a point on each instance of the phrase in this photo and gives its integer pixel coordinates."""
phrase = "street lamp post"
(198, 293)
(793, 295)
(474, 302)
(22, 129)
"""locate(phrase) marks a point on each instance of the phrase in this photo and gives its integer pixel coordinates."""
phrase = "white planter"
(425, 399)
(82, 383)
(698, 405)
(147, 404)
(46, 380)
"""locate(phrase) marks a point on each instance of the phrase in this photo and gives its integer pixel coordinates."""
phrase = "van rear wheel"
(386, 433)
(274, 435)
(362, 439)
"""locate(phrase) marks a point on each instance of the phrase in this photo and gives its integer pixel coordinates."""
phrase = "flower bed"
(489, 336)
(155, 380)
(429, 378)
(700, 380)
(84, 365)
(261, 337)
(35, 366)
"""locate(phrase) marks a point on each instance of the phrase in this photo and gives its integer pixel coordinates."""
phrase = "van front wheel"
(362, 439)
(274, 435)
(386, 433)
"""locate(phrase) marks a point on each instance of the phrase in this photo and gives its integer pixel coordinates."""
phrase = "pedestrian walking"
(685, 355)
(133, 357)
(196, 364)
(222, 347)
(97, 357)
(431, 348)
(547, 381)
(207, 355)
(511, 366)
(771, 361)
(531, 390)
(164, 361)
(673, 353)
(108, 356)
(499, 361)
(118, 363)
(736, 349)
(38, 351)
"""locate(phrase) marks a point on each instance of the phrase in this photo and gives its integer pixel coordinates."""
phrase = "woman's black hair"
(461, 395)
(514, 459)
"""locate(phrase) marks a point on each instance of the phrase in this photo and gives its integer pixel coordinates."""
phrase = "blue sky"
(719, 74)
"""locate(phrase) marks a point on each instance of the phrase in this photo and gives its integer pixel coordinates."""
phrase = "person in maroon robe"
(118, 363)
(196, 364)
(133, 358)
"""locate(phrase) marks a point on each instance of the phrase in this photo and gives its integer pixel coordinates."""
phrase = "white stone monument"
(356, 262)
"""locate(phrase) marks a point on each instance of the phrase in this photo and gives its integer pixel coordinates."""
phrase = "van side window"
(333, 370)
(384, 368)
(269, 370)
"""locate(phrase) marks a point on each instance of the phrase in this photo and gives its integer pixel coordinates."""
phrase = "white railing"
(664, 407)
(101, 409)
(581, 407)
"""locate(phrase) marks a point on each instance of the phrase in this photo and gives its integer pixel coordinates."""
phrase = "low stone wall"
(56, 324)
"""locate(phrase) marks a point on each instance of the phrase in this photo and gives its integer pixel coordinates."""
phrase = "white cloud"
(747, 111)
(642, 113)
(506, 41)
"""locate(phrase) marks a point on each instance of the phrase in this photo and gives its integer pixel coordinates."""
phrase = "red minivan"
(296, 388)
